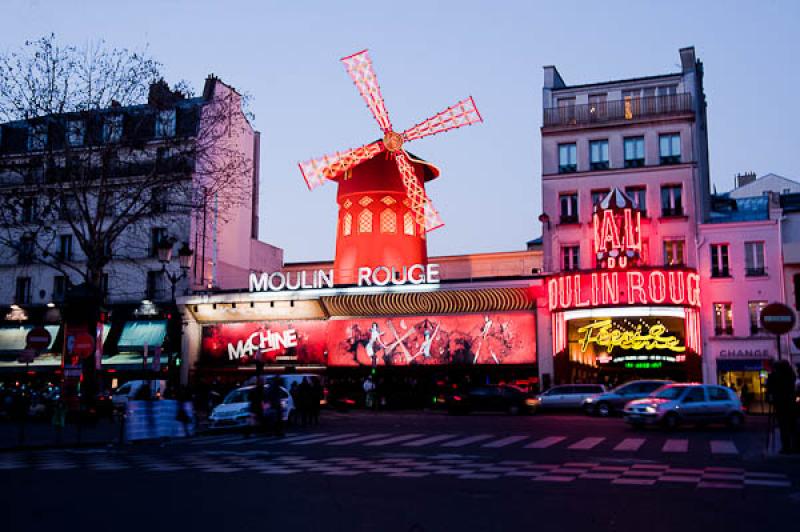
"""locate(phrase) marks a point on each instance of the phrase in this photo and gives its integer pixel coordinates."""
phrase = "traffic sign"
(38, 339)
(83, 346)
(777, 318)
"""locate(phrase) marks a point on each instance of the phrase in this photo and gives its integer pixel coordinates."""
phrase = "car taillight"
(456, 398)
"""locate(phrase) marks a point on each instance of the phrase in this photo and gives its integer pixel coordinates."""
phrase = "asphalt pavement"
(416, 471)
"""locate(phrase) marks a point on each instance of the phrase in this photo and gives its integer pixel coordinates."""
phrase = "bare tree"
(96, 144)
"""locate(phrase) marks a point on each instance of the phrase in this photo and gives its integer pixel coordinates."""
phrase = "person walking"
(369, 393)
(274, 397)
(781, 395)
(59, 419)
(316, 400)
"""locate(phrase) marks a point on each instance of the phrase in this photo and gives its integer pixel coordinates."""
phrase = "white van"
(130, 390)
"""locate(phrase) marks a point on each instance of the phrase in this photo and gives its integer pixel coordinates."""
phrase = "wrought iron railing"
(618, 110)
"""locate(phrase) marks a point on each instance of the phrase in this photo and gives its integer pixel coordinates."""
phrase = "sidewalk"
(41, 434)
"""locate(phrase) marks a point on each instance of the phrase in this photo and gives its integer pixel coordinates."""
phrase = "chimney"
(745, 179)
(552, 79)
(687, 59)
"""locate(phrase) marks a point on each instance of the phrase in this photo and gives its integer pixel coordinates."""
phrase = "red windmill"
(384, 212)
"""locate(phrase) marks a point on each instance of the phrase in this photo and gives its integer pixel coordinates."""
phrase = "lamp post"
(184, 260)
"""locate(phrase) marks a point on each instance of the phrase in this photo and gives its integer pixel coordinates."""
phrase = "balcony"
(618, 110)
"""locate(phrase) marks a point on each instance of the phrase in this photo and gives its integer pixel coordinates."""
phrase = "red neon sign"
(632, 287)
(617, 228)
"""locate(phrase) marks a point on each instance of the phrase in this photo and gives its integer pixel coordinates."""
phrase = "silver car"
(677, 404)
(564, 396)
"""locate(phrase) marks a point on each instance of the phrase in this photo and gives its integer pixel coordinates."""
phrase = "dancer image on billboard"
(374, 338)
(425, 347)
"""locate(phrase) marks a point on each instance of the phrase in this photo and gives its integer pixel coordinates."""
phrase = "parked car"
(489, 398)
(613, 401)
(677, 404)
(565, 396)
(291, 378)
(234, 411)
(132, 389)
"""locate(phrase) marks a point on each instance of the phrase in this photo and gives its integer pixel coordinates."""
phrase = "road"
(416, 471)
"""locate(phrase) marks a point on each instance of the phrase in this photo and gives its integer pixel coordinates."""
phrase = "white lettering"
(432, 275)
(363, 276)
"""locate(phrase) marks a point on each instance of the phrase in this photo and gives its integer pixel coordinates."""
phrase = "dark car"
(489, 398)
(613, 401)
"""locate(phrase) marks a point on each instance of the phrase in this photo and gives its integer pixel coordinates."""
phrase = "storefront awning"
(136, 334)
(13, 338)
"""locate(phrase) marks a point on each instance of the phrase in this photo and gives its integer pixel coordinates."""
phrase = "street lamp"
(165, 257)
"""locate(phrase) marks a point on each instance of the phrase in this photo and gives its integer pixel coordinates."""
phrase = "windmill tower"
(384, 213)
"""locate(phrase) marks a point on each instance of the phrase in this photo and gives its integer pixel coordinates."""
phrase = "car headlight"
(588, 400)
(650, 409)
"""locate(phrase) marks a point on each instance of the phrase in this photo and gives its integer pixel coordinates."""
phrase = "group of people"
(307, 397)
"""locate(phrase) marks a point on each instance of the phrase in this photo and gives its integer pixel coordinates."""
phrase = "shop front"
(743, 365)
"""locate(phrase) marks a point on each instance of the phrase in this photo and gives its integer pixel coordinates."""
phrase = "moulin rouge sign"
(617, 281)
(377, 276)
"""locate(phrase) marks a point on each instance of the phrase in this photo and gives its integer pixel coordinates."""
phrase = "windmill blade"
(359, 67)
(425, 215)
(317, 171)
(461, 114)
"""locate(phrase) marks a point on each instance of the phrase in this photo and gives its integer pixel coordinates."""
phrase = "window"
(365, 221)
(634, 152)
(158, 200)
(104, 284)
(723, 319)
(37, 137)
(22, 295)
(567, 158)
(28, 210)
(719, 260)
(26, 248)
(695, 394)
(639, 197)
(597, 106)
(631, 102)
(598, 195)
(569, 257)
(157, 235)
(388, 221)
(598, 151)
(59, 287)
(112, 129)
(566, 110)
(64, 251)
(671, 200)
(569, 208)
(754, 309)
(715, 393)
(154, 290)
(754, 259)
(347, 224)
(75, 132)
(408, 224)
(108, 251)
(669, 148)
(673, 253)
(165, 124)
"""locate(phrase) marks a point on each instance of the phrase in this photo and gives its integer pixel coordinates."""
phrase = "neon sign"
(617, 225)
(607, 334)
(632, 287)
(377, 276)
(266, 341)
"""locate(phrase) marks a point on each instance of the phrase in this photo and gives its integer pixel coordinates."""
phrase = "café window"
(674, 252)
(719, 260)
(754, 309)
(598, 152)
(669, 148)
(634, 152)
(754, 259)
(569, 208)
(569, 257)
(723, 319)
(671, 200)
(639, 197)
(567, 158)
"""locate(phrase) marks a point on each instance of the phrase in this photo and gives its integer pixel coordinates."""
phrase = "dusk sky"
(429, 55)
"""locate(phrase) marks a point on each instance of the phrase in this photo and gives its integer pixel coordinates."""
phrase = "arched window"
(408, 224)
(365, 221)
(388, 221)
(347, 224)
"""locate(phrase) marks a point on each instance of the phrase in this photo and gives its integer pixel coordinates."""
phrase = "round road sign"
(38, 339)
(84, 345)
(777, 318)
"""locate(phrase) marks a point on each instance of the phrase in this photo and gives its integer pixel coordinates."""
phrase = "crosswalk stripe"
(630, 444)
(429, 440)
(300, 437)
(358, 439)
(675, 446)
(394, 439)
(326, 438)
(468, 440)
(723, 447)
(502, 442)
(215, 439)
(544, 443)
(586, 443)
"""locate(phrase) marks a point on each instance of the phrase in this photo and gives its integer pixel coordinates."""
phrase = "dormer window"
(112, 128)
(37, 137)
(165, 124)
(76, 131)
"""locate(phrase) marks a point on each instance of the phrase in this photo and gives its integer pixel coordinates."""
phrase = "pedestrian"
(316, 400)
(256, 418)
(781, 395)
(369, 393)
(275, 397)
(59, 419)
(304, 400)
(184, 416)
(746, 396)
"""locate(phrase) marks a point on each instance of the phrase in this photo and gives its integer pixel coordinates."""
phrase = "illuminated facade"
(649, 274)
